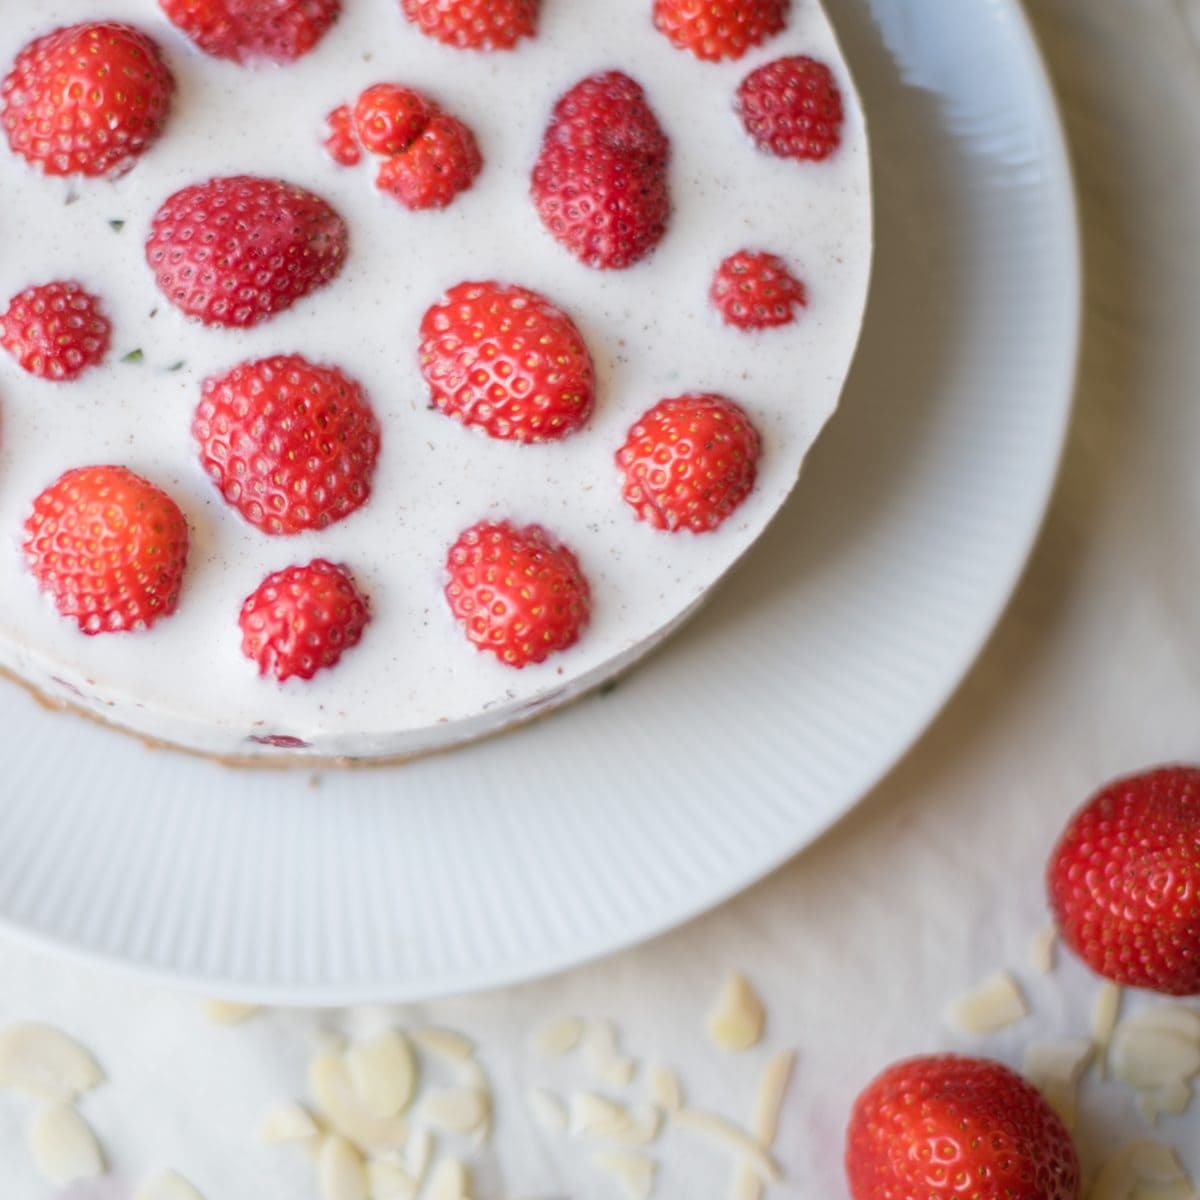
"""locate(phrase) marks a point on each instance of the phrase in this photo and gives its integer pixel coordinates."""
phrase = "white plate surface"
(810, 672)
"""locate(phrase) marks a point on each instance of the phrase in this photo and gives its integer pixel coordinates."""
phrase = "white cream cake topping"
(414, 683)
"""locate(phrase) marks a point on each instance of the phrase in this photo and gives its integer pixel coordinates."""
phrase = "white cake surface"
(414, 683)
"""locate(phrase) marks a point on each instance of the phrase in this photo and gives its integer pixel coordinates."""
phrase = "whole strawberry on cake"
(374, 377)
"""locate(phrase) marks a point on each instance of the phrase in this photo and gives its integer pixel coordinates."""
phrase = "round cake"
(380, 374)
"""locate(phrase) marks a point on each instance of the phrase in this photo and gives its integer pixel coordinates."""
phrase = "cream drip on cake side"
(414, 683)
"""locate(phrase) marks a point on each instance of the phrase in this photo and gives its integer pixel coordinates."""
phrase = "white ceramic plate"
(810, 672)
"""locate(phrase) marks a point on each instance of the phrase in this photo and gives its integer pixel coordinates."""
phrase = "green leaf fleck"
(117, 226)
(134, 356)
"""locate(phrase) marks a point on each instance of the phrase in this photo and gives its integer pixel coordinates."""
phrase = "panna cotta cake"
(413, 285)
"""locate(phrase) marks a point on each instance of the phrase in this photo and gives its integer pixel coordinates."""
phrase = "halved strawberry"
(717, 29)
(108, 547)
(243, 30)
(474, 24)
(792, 108)
(87, 99)
(756, 290)
(506, 360)
(443, 161)
(55, 330)
(236, 251)
(389, 117)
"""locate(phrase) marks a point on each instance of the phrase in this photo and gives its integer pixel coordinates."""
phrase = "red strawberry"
(341, 142)
(290, 445)
(600, 182)
(238, 250)
(506, 360)
(716, 29)
(442, 162)
(108, 548)
(516, 592)
(792, 107)
(959, 1128)
(1124, 881)
(689, 462)
(242, 30)
(55, 330)
(474, 24)
(86, 99)
(755, 290)
(389, 118)
(302, 619)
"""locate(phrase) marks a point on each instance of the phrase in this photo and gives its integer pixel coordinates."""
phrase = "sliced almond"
(287, 1122)
(1156, 1047)
(1105, 1012)
(449, 1181)
(64, 1149)
(166, 1185)
(329, 1082)
(1042, 947)
(738, 1018)
(558, 1037)
(602, 1053)
(547, 1109)
(995, 1004)
(664, 1088)
(643, 1127)
(634, 1172)
(454, 1110)
(383, 1072)
(597, 1116)
(1055, 1068)
(445, 1043)
(229, 1012)
(722, 1132)
(46, 1063)
(387, 1181)
(419, 1154)
(341, 1173)
(764, 1121)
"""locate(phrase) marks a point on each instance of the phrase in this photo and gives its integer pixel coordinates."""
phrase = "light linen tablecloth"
(936, 880)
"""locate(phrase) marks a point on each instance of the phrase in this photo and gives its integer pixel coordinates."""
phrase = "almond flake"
(449, 1181)
(383, 1073)
(994, 1004)
(724, 1133)
(419, 1154)
(329, 1081)
(664, 1088)
(1156, 1047)
(737, 1019)
(44, 1062)
(454, 1110)
(764, 1122)
(547, 1109)
(386, 1181)
(1055, 1068)
(634, 1172)
(445, 1043)
(642, 1129)
(1042, 947)
(166, 1185)
(604, 1058)
(341, 1174)
(558, 1038)
(229, 1012)
(64, 1149)
(287, 1122)
(597, 1116)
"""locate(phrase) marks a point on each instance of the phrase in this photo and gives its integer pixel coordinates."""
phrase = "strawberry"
(443, 161)
(290, 445)
(755, 290)
(716, 29)
(958, 1128)
(86, 99)
(109, 549)
(302, 619)
(340, 141)
(238, 250)
(389, 117)
(600, 181)
(474, 24)
(55, 330)
(689, 462)
(516, 592)
(244, 30)
(1124, 881)
(506, 360)
(792, 108)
